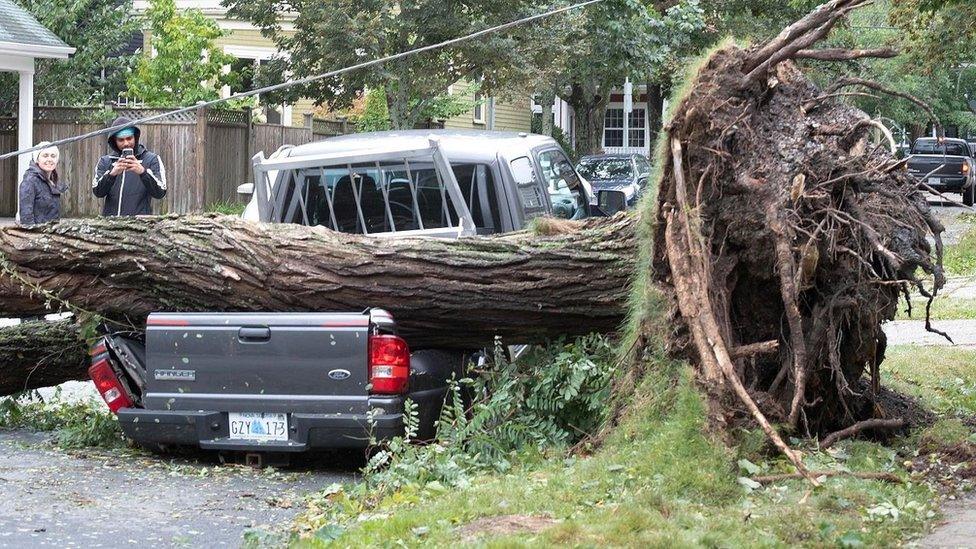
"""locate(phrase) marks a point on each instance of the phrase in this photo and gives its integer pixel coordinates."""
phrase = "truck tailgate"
(257, 362)
(921, 165)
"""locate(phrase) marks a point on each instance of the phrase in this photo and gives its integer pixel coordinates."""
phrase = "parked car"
(288, 382)
(945, 165)
(622, 172)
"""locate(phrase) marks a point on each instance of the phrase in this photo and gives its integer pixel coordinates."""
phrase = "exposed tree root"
(887, 477)
(797, 231)
(859, 427)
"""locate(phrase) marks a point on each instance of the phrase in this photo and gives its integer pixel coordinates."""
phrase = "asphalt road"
(96, 498)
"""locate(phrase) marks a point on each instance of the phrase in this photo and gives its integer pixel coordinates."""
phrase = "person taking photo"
(130, 176)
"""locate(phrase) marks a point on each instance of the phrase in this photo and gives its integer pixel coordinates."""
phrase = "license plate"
(934, 181)
(258, 426)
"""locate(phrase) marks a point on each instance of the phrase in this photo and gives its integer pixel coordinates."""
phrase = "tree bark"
(589, 111)
(546, 100)
(41, 354)
(655, 113)
(443, 293)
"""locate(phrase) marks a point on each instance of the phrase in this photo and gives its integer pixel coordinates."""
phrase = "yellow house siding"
(299, 109)
(515, 116)
(250, 38)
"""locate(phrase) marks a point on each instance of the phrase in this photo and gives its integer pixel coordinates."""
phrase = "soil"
(506, 524)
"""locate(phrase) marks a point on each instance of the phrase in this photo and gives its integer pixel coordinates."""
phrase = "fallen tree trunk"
(41, 354)
(523, 287)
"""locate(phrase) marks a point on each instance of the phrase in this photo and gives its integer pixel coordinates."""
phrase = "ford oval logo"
(339, 375)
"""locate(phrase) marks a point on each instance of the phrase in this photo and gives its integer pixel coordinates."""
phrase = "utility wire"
(308, 79)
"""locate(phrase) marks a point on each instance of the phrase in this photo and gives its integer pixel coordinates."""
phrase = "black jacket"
(40, 198)
(128, 193)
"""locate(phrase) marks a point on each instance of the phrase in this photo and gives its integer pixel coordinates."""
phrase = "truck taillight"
(108, 385)
(389, 364)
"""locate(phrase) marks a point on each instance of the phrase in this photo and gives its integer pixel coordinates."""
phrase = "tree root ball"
(808, 231)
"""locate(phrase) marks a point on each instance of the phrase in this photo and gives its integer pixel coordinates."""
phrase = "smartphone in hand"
(126, 153)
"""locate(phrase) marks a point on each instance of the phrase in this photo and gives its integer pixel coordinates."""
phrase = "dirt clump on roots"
(784, 238)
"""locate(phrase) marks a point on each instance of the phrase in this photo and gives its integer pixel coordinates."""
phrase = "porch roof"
(22, 36)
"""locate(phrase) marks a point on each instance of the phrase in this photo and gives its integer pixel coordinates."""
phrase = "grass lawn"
(942, 378)
(662, 480)
(960, 258)
(943, 308)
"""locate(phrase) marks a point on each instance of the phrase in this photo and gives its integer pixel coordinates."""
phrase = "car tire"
(969, 195)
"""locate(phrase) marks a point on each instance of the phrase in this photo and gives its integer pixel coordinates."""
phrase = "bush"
(549, 400)
(76, 424)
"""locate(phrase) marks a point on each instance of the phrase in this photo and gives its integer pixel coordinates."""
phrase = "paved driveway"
(106, 499)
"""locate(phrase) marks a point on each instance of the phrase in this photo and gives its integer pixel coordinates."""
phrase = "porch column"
(25, 122)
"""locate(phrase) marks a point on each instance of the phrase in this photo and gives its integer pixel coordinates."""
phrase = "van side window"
(528, 186)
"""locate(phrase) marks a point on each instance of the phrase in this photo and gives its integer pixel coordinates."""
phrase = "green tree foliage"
(332, 34)
(375, 116)
(937, 62)
(617, 39)
(187, 64)
(99, 30)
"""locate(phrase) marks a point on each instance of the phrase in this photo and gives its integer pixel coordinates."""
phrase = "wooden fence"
(206, 153)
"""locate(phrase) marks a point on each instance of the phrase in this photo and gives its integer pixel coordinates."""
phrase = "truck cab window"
(530, 193)
(562, 182)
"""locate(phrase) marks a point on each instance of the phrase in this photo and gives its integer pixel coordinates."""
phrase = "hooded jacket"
(129, 193)
(40, 197)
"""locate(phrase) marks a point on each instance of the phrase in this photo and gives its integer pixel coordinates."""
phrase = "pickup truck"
(269, 382)
(946, 165)
(288, 382)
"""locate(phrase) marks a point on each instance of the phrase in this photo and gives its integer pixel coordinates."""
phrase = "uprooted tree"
(780, 234)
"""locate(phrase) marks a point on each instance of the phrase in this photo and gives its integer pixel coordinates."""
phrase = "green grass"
(660, 480)
(227, 208)
(943, 308)
(960, 258)
(942, 378)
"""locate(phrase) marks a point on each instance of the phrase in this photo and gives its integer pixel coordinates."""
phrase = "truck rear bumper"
(947, 183)
(209, 430)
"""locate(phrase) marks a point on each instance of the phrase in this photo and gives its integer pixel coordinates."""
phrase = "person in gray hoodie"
(128, 183)
(39, 199)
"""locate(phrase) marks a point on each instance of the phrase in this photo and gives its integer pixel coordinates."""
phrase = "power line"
(308, 79)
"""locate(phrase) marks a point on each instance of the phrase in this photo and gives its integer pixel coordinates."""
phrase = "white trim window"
(637, 128)
(613, 127)
(479, 108)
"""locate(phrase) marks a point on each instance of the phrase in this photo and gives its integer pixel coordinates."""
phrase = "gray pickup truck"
(289, 382)
(269, 382)
(945, 165)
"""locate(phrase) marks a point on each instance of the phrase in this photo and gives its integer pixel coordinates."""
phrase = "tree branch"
(841, 54)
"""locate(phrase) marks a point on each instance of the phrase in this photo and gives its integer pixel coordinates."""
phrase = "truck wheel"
(969, 195)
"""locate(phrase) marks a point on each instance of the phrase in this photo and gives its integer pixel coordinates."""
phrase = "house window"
(613, 128)
(637, 123)
(479, 108)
